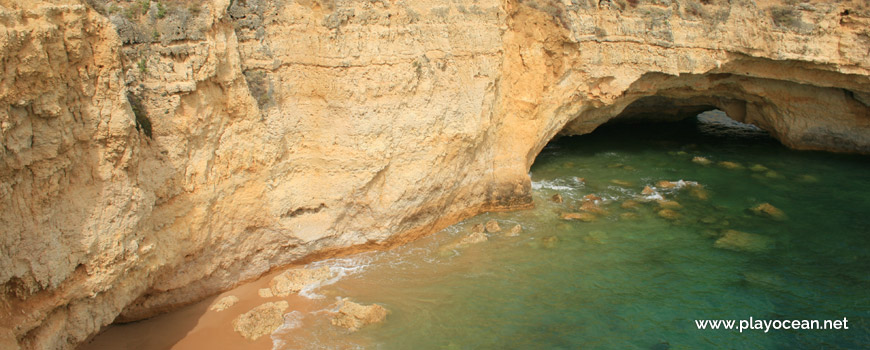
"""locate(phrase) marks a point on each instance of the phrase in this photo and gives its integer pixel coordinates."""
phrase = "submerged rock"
(492, 226)
(807, 179)
(699, 192)
(261, 320)
(669, 214)
(557, 198)
(294, 280)
(479, 228)
(758, 168)
(621, 183)
(354, 316)
(591, 207)
(701, 160)
(769, 211)
(630, 204)
(772, 175)
(549, 241)
(665, 184)
(515, 231)
(730, 165)
(224, 303)
(647, 191)
(585, 217)
(669, 204)
(743, 241)
(628, 216)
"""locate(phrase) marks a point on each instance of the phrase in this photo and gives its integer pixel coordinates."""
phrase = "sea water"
(631, 278)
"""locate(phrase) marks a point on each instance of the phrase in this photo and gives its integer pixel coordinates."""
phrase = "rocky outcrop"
(155, 156)
(354, 316)
(261, 320)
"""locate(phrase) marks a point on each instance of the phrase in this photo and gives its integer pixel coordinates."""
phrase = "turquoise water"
(632, 279)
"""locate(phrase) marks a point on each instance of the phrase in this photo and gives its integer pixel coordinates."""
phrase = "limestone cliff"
(155, 153)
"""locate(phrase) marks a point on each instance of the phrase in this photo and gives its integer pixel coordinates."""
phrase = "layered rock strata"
(153, 156)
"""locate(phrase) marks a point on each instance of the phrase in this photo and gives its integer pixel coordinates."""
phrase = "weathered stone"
(515, 231)
(224, 303)
(265, 293)
(294, 280)
(585, 217)
(743, 241)
(556, 198)
(664, 184)
(647, 191)
(261, 320)
(769, 211)
(592, 207)
(492, 226)
(354, 316)
(478, 228)
(701, 160)
(669, 214)
(730, 165)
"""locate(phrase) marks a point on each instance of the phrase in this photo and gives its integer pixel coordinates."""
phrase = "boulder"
(479, 228)
(769, 211)
(647, 191)
(354, 316)
(669, 214)
(730, 165)
(515, 231)
(630, 204)
(758, 168)
(669, 204)
(664, 184)
(294, 280)
(585, 217)
(557, 198)
(621, 183)
(261, 320)
(743, 241)
(701, 160)
(224, 303)
(492, 226)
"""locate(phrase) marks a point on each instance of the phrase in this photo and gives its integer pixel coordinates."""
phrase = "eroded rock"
(224, 303)
(743, 241)
(294, 280)
(515, 231)
(585, 217)
(261, 320)
(492, 226)
(769, 211)
(354, 316)
(557, 198)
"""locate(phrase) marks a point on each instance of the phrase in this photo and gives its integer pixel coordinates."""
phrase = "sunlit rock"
(294, 280)
(515, 231)
(354, 316)
(224, 303)
(769, 211)
(261, 320)
(492, 226)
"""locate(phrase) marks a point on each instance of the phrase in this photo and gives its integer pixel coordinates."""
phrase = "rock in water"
(265, 293)
(701, 160)
(668, 204)
(473, 238)
(224, 303)
(585, 217)
(294, 280)
(630, 204)
(759, 168)
(354, 316)
(492, 226)
(730, 165)
(478, 228)
(647, 191)
(621, 183)
(261, 320)
(768, 210)
(557, 198)
(669, 214)
(665, 184)
(515, 231)
(743, 241)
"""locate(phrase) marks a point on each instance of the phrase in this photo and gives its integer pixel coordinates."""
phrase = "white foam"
(556, 185)
(338, 268)
(292, 320)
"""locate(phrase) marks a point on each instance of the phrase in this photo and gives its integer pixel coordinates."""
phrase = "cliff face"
(157, 157)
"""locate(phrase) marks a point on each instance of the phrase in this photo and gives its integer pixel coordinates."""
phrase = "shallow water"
(631, 279)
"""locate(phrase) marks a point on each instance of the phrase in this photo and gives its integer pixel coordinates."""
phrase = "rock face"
(261, 320)
(153, 159)
(354, 316)
(294, 280)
